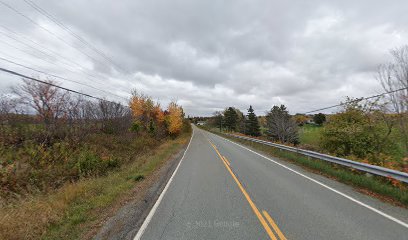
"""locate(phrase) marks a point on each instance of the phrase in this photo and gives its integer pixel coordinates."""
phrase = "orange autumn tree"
(149, 116)
(174, 118)
(146, 113)
(158, 114)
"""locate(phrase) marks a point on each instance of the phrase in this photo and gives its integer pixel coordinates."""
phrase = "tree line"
(278, 124)
(373, 131)
(49, 136)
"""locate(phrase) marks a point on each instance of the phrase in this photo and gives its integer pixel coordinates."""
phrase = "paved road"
(224, 191)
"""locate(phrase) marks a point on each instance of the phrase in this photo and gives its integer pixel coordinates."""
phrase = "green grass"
(396, 135)
(310, 134)
(357, 179)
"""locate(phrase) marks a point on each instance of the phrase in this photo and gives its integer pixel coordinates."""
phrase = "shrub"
(135, 127)
(358, 131)
(138, 177)
(319, 118)
(90, 164)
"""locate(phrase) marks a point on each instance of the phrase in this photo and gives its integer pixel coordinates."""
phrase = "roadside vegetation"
(64, 159)
(385, 189)
(372, 131)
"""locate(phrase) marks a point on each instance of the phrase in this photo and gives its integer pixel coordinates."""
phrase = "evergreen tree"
(319, 118)
(230, 118)
(252, 124)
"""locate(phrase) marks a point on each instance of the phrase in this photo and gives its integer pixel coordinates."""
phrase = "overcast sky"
(208, 55)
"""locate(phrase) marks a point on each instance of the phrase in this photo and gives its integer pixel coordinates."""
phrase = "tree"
(394, 76)
(300, 119)
(230, 118)
(114, 116)
(319, 118)
(7, 111)
(7, 104)
(148, 115)
(241, 121)
(281, 126)
(217, 119)
(175, 118)
(50, 102)
(142, 107)
(360, 130)
(252, 124)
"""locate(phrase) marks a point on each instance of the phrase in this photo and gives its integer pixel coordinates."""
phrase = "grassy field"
(74, 209)
(309, 135)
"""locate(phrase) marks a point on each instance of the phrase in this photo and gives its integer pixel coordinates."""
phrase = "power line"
(27, 52)
(51, 84)
(45, 29)
(94, 77)
(42, 59)
(357, 100)
(27, 45)
(67, 29)
(41, 46)
(63, 78)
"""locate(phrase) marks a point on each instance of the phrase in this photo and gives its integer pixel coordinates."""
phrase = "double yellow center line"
(251, 203)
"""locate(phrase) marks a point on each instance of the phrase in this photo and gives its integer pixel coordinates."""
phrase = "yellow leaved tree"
(174, 118)
(149, 116)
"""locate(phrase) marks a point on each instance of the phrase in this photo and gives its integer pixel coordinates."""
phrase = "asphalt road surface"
(222, 190)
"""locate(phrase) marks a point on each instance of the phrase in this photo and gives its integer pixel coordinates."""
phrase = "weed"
(138, 177)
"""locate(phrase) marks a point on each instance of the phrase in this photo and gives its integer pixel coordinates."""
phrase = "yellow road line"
(273, 224)
(226, 160)
(251, 203)
(213, 145)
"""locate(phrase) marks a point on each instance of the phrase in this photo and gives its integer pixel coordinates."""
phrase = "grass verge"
(372, 185)
(73, 210)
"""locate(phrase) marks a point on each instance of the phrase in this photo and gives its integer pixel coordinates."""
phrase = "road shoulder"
(128, 215)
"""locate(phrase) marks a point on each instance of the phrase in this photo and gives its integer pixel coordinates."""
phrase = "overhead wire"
(39, 45)
(59, 77)
(27, 45)
(51, 84)
(70, 69)
(67, 29)
(47, 30)
(71, 32)
(357, 100)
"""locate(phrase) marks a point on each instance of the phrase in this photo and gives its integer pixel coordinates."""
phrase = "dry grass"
(71, 210)
(29, 218)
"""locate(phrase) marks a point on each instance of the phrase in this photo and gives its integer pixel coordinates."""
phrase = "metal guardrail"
(368, 168)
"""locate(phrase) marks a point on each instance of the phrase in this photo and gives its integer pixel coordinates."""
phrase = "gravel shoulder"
(126, 217)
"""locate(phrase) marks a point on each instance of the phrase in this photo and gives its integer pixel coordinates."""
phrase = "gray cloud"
(212, 54)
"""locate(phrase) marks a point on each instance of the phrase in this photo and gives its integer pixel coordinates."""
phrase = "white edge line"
(324, 185)
(156, 205)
